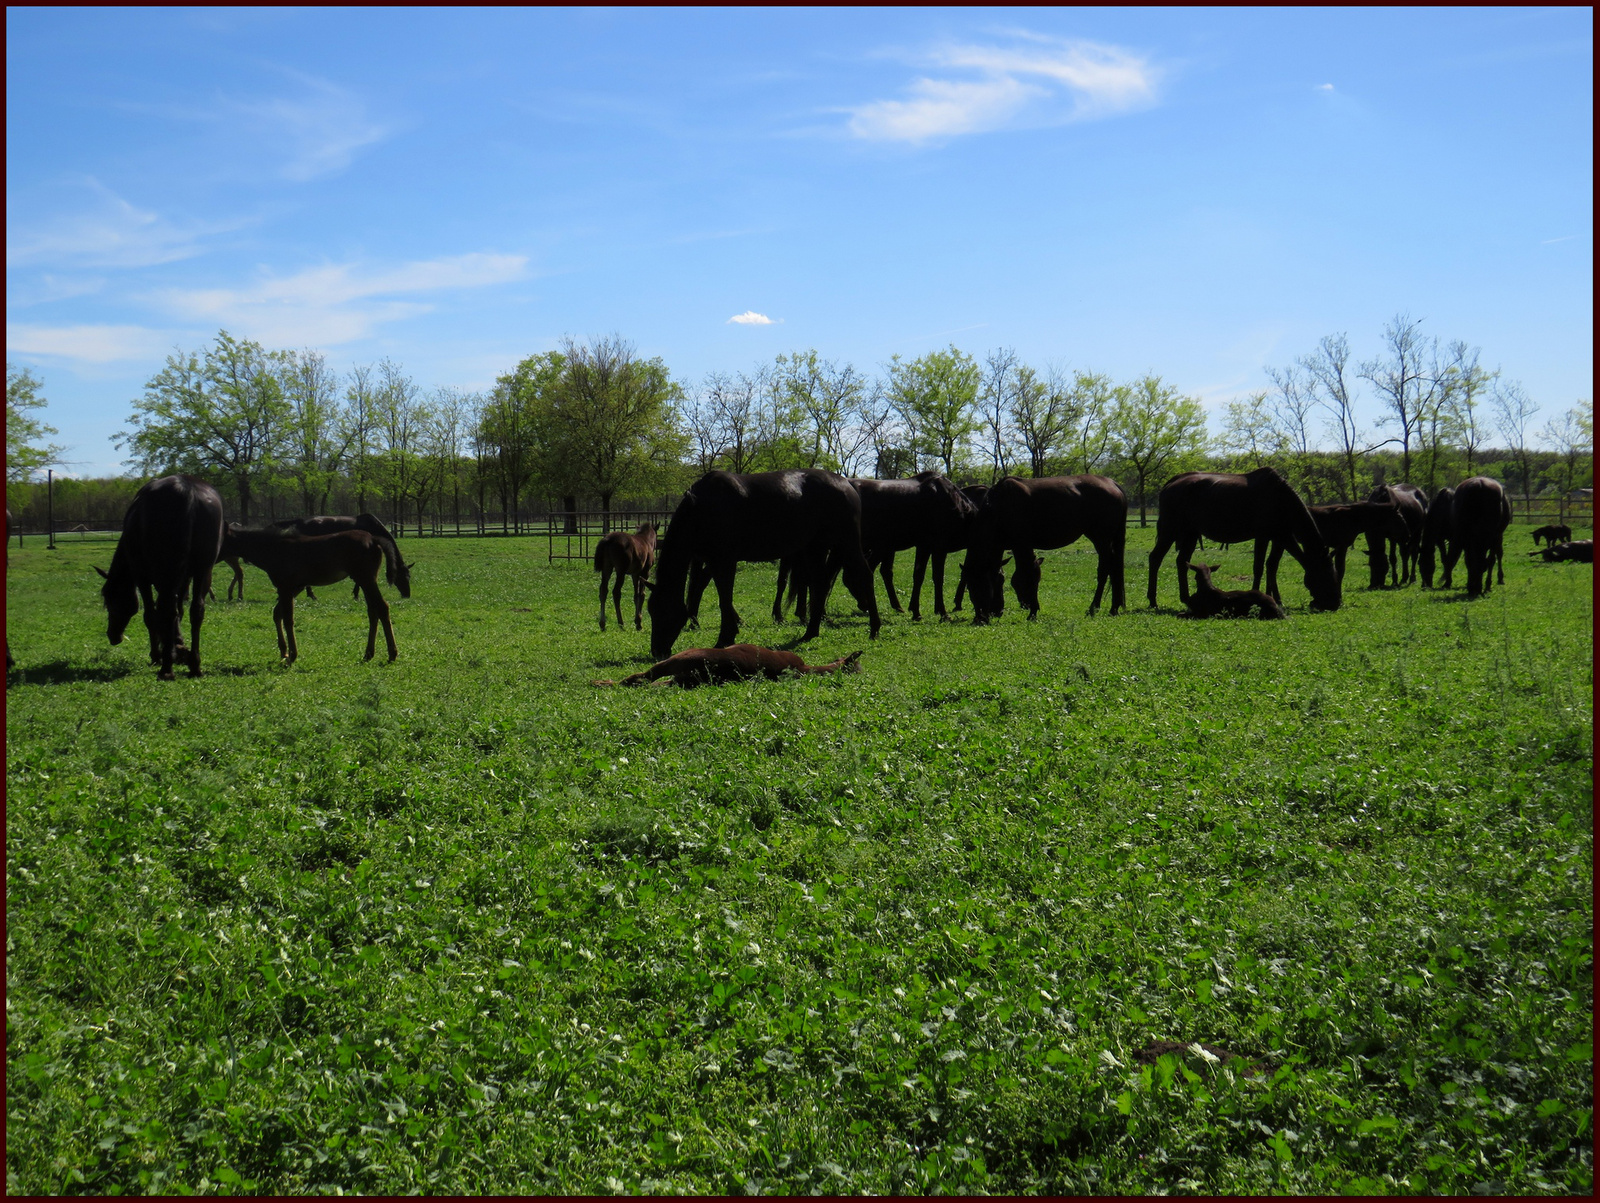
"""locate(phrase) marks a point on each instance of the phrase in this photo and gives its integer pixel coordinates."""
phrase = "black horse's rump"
(1478, 520)
(1022, 516)
(171, 537)
(1229, 507)
(806, 515)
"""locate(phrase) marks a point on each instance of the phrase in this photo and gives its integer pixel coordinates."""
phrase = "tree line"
(594, 423)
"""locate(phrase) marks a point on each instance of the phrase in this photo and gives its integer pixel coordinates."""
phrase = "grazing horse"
(396, 571)
(807, 514)
(1207, 600)
(1552, 534)
(1342, 525)
(1052, 511)
(741, 662)
(1398, 560)
(1438, 536)
(976, 495)
(1479, 518)
(1581, 552)
(626, 555)
(1227, 507)
(926, 512)
(171, 536)
(294, 561)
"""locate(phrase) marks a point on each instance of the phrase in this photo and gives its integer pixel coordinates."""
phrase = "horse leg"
(699, 577)
(857, 579)
(616, 596)
(1276, 555)
(197, 614)
(784, 569)
(605, 579)
(1102, 574)
(723, 575)
(886, 571)
(919, 569)
(1157, 554)
(1185, 549)
(378, 611)
(283, 619)
(638, 600)
(1260, 561)
(938, 558)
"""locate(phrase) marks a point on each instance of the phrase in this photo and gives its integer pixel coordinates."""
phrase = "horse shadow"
(65, 672)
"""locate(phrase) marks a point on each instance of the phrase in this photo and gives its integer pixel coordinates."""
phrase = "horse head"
(668, 616)
(121, 601)
(1321, 581)
(402, 578)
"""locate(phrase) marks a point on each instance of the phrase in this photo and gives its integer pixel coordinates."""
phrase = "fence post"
(50, 507)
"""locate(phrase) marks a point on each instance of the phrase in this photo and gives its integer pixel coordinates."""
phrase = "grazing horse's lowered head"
(121, 598)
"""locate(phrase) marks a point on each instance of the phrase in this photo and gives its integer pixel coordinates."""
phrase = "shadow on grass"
(63, 672)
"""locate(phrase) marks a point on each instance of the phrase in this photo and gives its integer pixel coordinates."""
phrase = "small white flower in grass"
(753, 948)
(1207, 1057)
(1110, 1059)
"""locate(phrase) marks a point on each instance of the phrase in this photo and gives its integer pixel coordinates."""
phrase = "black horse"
(1392, 556)
(1021, 516)
(808, 515)
(1227, 507)
(1438, 537)
(975, 494)
(1341, 525)
(171, 537)
(926, 512)
(1479, 518)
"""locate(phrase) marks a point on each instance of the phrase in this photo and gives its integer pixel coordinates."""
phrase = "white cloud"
(91, 344)
(111, 233)
(324, 127)
(1324, 87)
(1047, 82)
(338, 303)
(749, 318)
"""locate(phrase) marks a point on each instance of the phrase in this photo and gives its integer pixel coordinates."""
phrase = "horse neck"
(672, 570)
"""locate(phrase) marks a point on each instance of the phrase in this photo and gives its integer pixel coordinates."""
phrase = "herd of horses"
(820, 526)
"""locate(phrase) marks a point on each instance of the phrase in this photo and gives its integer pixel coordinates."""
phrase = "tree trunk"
(570, 505)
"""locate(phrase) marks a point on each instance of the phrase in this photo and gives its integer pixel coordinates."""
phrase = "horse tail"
(600, 556)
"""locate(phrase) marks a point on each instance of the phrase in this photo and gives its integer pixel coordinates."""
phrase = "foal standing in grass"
(293, 562)
(626, 555)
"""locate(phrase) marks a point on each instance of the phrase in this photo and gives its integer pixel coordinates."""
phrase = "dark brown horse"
(1479, 518)
(395, 570)
(1552, 534)
(1227, 507)
(1392, 556)
(741, 662)
(1341, 525)
(807, 514)
(294, 561)
(1022, 516)
(1207, 600)
(626, 555)
(975, 494)
(171, 536)
(927, 513)
(1580, 552)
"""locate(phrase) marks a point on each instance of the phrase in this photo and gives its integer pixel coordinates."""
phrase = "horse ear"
(411, 565)
(1214, 567)
(104, 575)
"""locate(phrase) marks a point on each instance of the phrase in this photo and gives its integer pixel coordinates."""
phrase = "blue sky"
(1194, 193)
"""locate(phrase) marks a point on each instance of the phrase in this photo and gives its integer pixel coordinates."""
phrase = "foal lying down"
(714, 666)
(1207, 600)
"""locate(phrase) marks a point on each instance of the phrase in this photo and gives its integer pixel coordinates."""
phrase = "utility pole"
(50, 506)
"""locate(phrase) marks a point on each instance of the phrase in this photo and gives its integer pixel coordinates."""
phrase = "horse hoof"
(165, 675)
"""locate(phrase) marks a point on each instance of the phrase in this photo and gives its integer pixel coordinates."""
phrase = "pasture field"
(1125, 904)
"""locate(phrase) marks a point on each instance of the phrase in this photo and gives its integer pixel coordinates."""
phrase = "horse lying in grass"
(1207, 600)
(1580, 552)
(626, 555)
(1552, 534)
(741, 662)
(294, 561)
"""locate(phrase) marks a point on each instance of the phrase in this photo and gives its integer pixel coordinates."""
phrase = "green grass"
(464, 923)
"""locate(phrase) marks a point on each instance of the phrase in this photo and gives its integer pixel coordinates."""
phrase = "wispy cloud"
(749, 318)
(109, 232)
(324, 126)
(1323, 88)
(1563, 238)
(337, 303)
(1043, 82)
(89, 344)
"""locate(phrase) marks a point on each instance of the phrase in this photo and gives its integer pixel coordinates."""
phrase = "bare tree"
(871, 429)
(360, 429)
(727, 425)
(1514, 411)
(1405, 385)
(1467, 384)
(1572, 436)
(1326, 368)
(997, 398)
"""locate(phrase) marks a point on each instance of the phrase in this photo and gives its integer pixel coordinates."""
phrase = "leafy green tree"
(609, 422)
(317, 438)
(25, 454)
(222, 413)
(1090, 402)
(827, 397)
(1251, 435)
(509, 428)
(936, 397)
(1572, 436)
(1157, 431)
(1044, 415)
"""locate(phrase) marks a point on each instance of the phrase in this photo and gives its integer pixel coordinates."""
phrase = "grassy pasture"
(466, 924)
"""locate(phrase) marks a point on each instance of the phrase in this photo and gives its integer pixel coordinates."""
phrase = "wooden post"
(50, 506)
